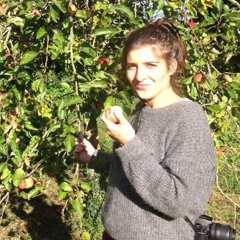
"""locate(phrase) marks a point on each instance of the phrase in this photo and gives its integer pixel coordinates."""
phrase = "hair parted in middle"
(163, 36)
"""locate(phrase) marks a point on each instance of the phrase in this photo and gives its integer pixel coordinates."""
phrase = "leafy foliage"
(51, 81)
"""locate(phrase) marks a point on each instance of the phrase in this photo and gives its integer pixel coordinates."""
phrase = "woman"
(163, 164)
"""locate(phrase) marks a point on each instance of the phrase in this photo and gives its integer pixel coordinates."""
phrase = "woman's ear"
(173, 67)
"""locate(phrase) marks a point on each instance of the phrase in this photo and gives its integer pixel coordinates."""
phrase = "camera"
(206, 229)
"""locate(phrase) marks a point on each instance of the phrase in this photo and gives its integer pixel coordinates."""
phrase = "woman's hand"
(119, 129)
(83, 150)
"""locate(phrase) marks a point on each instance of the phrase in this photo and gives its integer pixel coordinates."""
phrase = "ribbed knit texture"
(162, 176)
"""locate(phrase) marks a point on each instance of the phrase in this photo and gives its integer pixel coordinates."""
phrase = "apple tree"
(59, 67)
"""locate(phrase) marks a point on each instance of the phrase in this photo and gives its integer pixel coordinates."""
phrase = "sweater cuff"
(99, 161)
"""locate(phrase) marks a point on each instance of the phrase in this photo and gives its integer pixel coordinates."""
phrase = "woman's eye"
(130, 66)
(151, 65)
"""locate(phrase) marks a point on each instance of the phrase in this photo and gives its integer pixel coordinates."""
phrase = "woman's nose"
(140, 74)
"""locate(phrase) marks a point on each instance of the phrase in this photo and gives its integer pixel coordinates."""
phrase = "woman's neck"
(164, 99)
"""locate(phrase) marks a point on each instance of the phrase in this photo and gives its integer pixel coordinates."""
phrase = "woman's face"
(149, 75)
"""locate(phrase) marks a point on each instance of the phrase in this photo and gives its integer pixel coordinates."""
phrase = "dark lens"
(222, 232)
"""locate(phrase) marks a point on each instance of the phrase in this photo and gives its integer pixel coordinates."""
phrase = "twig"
(76, 87)
(46, 60)
(234, 2)
(6, 196)
(63, 210)
(36, 167)
(234, 203)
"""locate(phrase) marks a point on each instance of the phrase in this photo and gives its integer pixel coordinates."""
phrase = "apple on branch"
(72, 8)
(103, 60)
(3, 95)
(199, 78)
(26, 183)
(191, 24)
(100, 104)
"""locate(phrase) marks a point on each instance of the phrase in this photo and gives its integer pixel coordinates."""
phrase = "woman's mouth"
(141, 86)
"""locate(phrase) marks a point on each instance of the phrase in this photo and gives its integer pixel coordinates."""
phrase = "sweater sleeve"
(180, 183)
(100, 161)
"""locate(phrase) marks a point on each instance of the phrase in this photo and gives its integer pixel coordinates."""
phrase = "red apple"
(8, 54)
(35, 12)
(29, 182)
(218, 151)
(11, 117)
(110, 114)
(100, 104)
(72, 8)
(3, 95)
(2, 6)
(50, 173)
(103, 60)
(191, 24)
(8, 65)
(198, 78)
(22, 184)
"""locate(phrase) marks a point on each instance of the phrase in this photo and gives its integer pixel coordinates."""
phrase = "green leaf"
(207, 3)
(186, 81)
(23, 74)
(53, 128)
(105, 31)
(174, 5)
(3, 149)
(54, 13)
(6, 171)
(40, 33)
(86, 236)
(58, 37)
(28, 57)
(66, 86)
(7, 183)
(61, 112)
(99, 83)
(60, 6)
(126, 11)
(72, 101)
(32, 144)
(219, 5)
(16, 93)
(109, 102)
(67, 130)
(214, 108)
(81, 14)
(64, 186)
(192, 9)
(35, 85)
(126, 96)
(33, 193)
(86, 186)
(29, 126)
(2, 165)
(77, 206)
(15, 150)
(92, 122)
(233, 16)
(161, 4)
(17, 176)
(69, 143)
(62, 194)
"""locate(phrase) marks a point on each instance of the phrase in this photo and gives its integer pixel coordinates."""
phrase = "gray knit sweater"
(160, 181)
